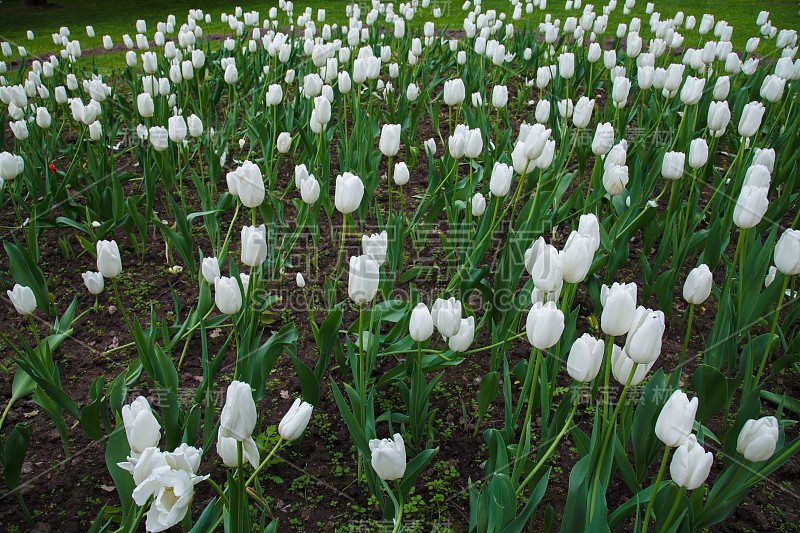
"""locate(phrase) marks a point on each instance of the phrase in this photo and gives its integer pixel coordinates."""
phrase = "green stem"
(35, 331)
(686, 338)
(224, 249)
(219, 491)
(121, 307)
(772, 330)
(265, 462)
(655, 489)
(552, 447)
(673, 510)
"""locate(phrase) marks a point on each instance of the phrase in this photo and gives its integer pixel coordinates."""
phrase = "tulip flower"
(461, 341)
(643, 343)
(698, 284)
(23, 299)
(692, 90)
(758, 439)
(750, 207)
(544, 325)
(145, 105)
(109, 262)
(364, 278)
(721, 88)
(765, 157)
(500, 181)
(348, 194)
(615, 179)
(454, 92)
(620, 89)
(622, 365)
(43, 118)
(195, 126)
(787, 252)
(254, 245)
(675, 421)
(172, 491)
(473, 143)
(672, 165)
(141, 427)
(177, 128)
(566, 65)
(603, 139)
(545, 265)
(578, 256)
(585, 358)
(388, 457)
(446, 316)
(750, 121)
(698, 153)
(390, 139)
(691, 464)
(295, 420)
(94, 282)
(719, 115)
(542, 113)
(772, 88)
(757, 176)
(589, 225)
(376, 245)
(300, 280)
(274, 95)
(95, 130)
(159, 138)
(400, 174)
(231, 74)
(619, 308)
(227, 295)
(478, 204)
(583, 112)
(283, 142)
(420, 326)
(238, 417)
(247, 183)
(499, 96)
(210, 269)
(309, 190)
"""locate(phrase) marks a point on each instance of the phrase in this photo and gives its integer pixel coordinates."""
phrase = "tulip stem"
(673, 510)
(772, 329)
(339, 259)
(535, 353)
(240, 462)
(121, 307)
(224, 249)
(389, 176)
(609, 350)
(265, 462)
(219, 491)
(659, 476)
(552, 447)
(686, 338)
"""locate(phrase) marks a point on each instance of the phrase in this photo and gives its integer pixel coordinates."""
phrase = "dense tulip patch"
(585, 186)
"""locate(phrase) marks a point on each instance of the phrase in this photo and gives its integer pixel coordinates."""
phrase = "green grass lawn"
(119, 17)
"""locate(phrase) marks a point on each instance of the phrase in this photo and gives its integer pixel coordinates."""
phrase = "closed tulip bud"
(609, 59)
(478, 204)
(585, 358)
(542, 114)
(412, 92)
(615, 179)
(772, 88)
(19, 128)
(787, 252)
(420, 327)
(544, 325)
(643, 343)
(446, 316)
(477, 100)
(765, 157)
(238, 417)
(672, 165)
(42, 117)
(231, 74)
(565, 107)
(322, 110)
(594, 52)
(309, 190)
(364, 278)
(698, 284)
(93, 281)
(376, 245)
(23, 299)
(583, 112)
(284, 142)
(566, 65)
(229, 453)
(770, 277)
(254, 245)
(388, 457)
(691, 464)
(750, 207)
(247, 183)
(500, 181)
(721, 88)
(546, 266)
(603, 139)
(349, 192)
(719, 115)
(400, 174)
(619, 91)
(758, 439)
(177, 128)
(578, 256)
(543, 76)
(344, 82)
(389, 143)
(210, 269)
(499, 96)
(454, 92)
(295, 420)
(159, 138)
(589, 225)
(141, 427)
(619, 308)
(227, 295)
(195, 126)
(698, 153)
(109, 262)
(674, 424)
(750, 121)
